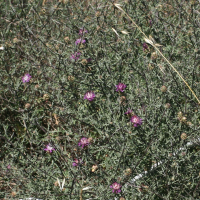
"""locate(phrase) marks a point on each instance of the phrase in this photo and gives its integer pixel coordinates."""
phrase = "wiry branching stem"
(151, 41)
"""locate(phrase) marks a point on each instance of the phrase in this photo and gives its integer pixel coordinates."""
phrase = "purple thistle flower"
(80, 40)
(116, 188)
(145, 46)
(75, 56)
(82, 31)
(150, 22)
(83, 142)
(9, 166)
(136, 121)
(128, 112)
(76, 162)
(120, 87)
(49, 148)
(89, 95)
(26, 78)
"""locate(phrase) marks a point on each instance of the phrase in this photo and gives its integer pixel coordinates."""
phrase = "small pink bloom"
(82, 31)
(76, 162)
(89, 95)
(83, 142)
(49, 148)
(136, 121)
(120, 87)
(26, 78)
(128, 112)
(80, 40)
(9, 166)
(75, 56)
(116, 187)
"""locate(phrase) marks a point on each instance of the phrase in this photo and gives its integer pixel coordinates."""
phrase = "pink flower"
(49, 148)
(120, 87)
(9, 166)
(89, 95)
(75, 56)
(83, 142)
(80, 40)
(136, 121)
(116, 187)
(26, 78)
(76, 162)
(82, 31)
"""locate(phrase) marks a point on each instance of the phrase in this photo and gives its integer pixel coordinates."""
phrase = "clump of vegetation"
(99, 99)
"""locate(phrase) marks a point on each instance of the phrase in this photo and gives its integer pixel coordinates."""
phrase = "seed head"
(27, 105)
(183, 136)
(163, 88)
(46, 97)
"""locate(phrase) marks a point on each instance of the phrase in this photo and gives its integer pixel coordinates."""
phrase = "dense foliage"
(84, 99)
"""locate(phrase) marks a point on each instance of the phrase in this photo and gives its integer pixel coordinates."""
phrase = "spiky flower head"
(80, 41)
(75, 56)
(116, 188)
(129, 112)
(26, 78)
(137, 121)
(120, 87)
(82, 31)
(77, 162)
(49, 148)
(89, 96)
(83, 142)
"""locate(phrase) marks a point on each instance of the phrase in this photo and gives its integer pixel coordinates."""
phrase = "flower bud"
(183, 136)
(154, 56)
(94, 168)
(67, 40)
(98, 14)
(189, 123)
(180, 115)
(127, 172)
(71, 78)
(46, 97)
(15, 40)
(122, 99)
(13, 193)
(167, 105)
(37, 86)
(56, 184)
(84, 62)
(184, 119)
(90, 139)
(27, 105)
(163, 88)
(129, 50)
(65, 1)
